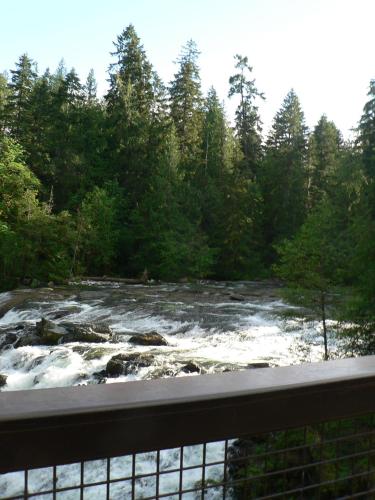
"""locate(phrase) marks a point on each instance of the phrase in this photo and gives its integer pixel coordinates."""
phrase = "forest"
(153, 179)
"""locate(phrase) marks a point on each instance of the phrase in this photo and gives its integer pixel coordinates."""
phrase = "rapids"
(218, 326)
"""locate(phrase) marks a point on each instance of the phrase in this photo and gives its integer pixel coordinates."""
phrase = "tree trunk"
(323, 309)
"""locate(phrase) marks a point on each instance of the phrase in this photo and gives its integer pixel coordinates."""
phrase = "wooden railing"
(49, 427)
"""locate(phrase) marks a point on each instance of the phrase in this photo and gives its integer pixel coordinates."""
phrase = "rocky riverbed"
(93, 332)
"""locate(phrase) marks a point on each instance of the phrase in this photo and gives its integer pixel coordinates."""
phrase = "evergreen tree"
(209, 180)
(360, 311)
(366, 131)
(163, 239)
(239, 253)
(283, 178)
(4, 92)
(324, 157)
(310, 264)
(130, 102)
(33, 242)
(66, 136)
(40, 157)
(91, 87)
(186, 107)
(248, 124)
(98, 231)
(18, 107)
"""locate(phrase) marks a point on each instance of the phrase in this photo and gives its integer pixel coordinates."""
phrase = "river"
(217, 326)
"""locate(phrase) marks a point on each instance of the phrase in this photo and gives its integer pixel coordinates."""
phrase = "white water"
(201, 325)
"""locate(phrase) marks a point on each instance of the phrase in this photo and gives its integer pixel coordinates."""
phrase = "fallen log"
(128, 281)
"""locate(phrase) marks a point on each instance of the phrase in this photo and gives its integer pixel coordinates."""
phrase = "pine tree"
(324, 156)
(98, 231)
(43, 123)
(283, 178)
(248, 124)
(130, 75)
(360, 313)
(186, 107)
(366, 131)
(310, 264)
(213, 179)
(130, 101)
(91, 87)
(66, 137)
(18, 107)
(4, 93)
(33, 242)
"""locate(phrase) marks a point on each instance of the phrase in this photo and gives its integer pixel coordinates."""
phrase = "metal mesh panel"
(326, 461)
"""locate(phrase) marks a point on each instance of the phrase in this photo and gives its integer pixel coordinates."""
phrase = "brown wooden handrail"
(55, 426)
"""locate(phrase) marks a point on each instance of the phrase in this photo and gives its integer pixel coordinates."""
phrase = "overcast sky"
(324, 49)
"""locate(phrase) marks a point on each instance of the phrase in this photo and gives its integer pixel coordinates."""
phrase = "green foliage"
(309, 457)
(4, 95)
(283, 175)
(248, 124)
(154, 177)
(18, 185)
(165, 242)
(33, 242)
(18, 107)
(324, 156)
(98, 232)
(186, 107)
(239, 252)
(310, 259)
(366, 131)
(359, 311)
(310, 263)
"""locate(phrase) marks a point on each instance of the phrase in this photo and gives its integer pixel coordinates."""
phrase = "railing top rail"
(60, 401)
(116, 419)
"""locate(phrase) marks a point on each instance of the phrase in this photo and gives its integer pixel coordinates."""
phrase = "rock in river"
(150, 338)
(190, 368)
(7, 339)
(3, 380)
(126, 364)
(237, 297)
(47, 332)
(86, 332)
(50, 333)
(258, 364)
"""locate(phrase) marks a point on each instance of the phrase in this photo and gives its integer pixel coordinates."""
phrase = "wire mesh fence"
(324, 461)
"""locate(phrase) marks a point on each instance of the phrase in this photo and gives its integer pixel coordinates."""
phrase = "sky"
(324, 49)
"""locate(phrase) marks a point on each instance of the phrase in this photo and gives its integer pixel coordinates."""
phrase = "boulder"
(50, 333)
(127, 364)
(3, 380)
(65, 312)
(7, 339)
(29, 339)
(163, 372)
(96, 353)
(150, 338)
(259, 364)
(86, 332)
(100, 377)
(237, 297)
(47, 332)
(122, 336)
(190, 368)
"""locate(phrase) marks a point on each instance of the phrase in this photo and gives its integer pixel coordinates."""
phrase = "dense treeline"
(153, 177)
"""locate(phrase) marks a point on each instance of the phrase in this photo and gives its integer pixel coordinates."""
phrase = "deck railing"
(304, 431)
